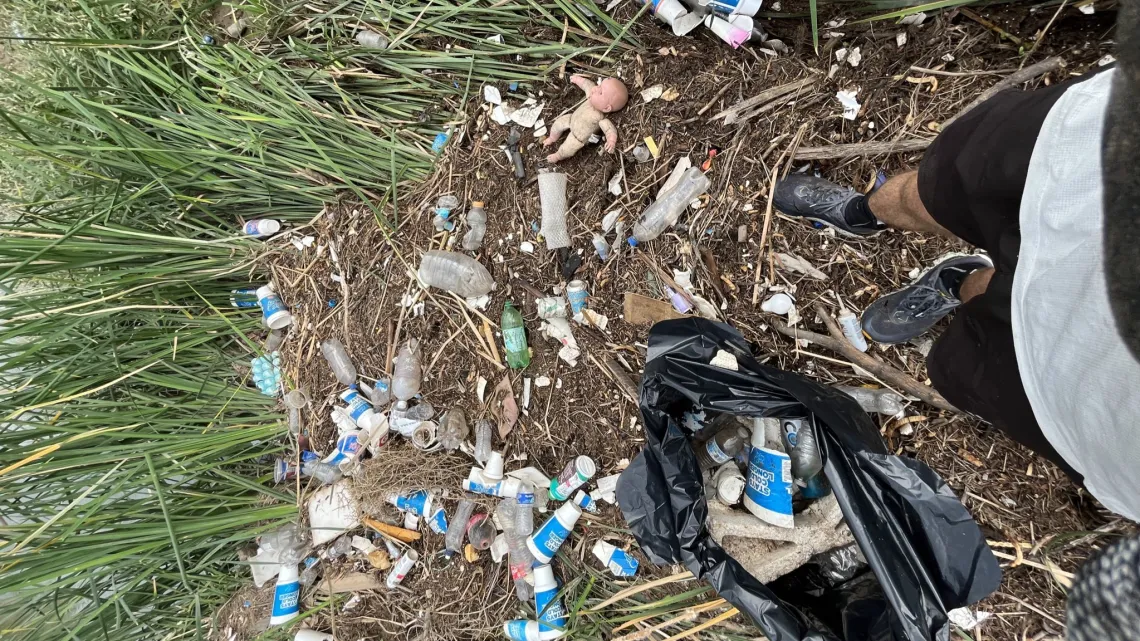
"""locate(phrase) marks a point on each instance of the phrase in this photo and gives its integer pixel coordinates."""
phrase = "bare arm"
(610, 131)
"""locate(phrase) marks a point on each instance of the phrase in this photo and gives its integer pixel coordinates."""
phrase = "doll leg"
(560, 126)
(569, 147)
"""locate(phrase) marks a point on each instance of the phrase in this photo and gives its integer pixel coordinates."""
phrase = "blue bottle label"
(515, 339)
(554, 613)
(475, 486)
(550, 537)
(715, 453)
(515, 630)
(286, 600)
(622, 564)
(438, 522)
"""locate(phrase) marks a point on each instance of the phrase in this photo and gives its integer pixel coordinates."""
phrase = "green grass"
(134, 454)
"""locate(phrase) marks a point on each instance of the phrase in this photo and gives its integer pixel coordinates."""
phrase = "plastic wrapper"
(925, 553)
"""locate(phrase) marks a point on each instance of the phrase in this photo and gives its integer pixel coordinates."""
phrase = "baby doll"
(607, 97)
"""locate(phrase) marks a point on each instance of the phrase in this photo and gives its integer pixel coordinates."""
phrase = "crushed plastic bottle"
(443, 208)
(483, 440)
(521, 560)
(455, 272)
(803, 449)
(326, 473)
(722, 447)
(289, 542)
(407, 372)
(453, 540)
(514, 337)
(453, 429)
(476, 227)
(339, 362)
(883, 401)
(381, 392)
(663, 213)
(371, 40)
(481, 531)
(423, 411)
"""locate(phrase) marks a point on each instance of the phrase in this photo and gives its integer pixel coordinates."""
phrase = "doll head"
(609, 95)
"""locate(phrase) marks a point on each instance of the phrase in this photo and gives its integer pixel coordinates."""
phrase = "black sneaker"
(907, 313)
(820, 200)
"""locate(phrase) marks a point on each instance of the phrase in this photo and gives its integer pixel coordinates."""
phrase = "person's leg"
(975, 284)
(897, 205)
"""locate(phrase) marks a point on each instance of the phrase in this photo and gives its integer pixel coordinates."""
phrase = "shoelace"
(922, 300)
(827, 196)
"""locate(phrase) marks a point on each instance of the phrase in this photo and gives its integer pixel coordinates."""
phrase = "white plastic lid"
(493, 469)
(585, 466)
(269, 226)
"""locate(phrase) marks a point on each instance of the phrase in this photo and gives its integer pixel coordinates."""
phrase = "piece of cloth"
(1081, 379)
(971, 181)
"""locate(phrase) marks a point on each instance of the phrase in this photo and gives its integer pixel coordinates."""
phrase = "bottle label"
(549, 538)
(525, 498)
(622, 564)
(715, 453)
(791, 432)
(271, 305)
(768, 494)
(243, 303)
(586, 502)
(251, 228)
(554, 613)
(577, 298)
(482, 488)
(286, 601)
(515, 339)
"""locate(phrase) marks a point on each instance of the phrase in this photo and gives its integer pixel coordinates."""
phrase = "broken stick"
(838, 343)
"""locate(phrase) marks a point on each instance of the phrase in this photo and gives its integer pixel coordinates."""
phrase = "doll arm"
(610, 131)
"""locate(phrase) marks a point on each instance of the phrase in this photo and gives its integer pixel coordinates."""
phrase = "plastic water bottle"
(514, 337)
(261, 228)
(453, 540)
(601, 246)
(453, 429)
(546, 540)
(482, 440)
(455, 272)
(407, 372)
(381, 393)
(481, 531)
(883, 401)
(723, 445)
(663, 213)
(371, 39)
(849, 323)
(801, 445)
(338, 360)
(524, 513)
(521, 559)
(476, 227)
(551, 614)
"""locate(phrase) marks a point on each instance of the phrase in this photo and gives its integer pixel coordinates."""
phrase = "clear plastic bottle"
(423, 411)
(371, 40)
(407, 372)
(340, 547)
(668, 208)
(455, 272)
(453, 429)
(476, 227)
(524, 515)
(274, 341)
(883, 401)
(521, 559)
(601, 246)
(803, 449)
(338, 360)
(481, 531)
(514, 337)
(722, 447)
(453, 540)
(326, 473)
(482, 440)
(381, 392)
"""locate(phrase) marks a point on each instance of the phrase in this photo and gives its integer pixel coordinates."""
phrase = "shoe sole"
(838, 230)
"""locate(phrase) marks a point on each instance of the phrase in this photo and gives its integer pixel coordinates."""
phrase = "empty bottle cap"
(476, 203)
(493, 469)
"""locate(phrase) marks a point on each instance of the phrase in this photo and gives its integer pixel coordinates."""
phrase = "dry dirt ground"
(1026, 507)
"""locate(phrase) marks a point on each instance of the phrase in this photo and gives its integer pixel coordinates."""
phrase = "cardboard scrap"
(642, 310)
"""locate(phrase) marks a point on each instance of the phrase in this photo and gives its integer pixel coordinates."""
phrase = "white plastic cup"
(401, 568)
(544, 543)
(768, 494)
(668, 11)
(508, 487)
(729, 483)
(273, 311)
(360, 410)
(733, 7)
(286, 595)
(493, 469)
(313, 635)
(262, 227)
(418, 502)
(616, 560)
(411, 521)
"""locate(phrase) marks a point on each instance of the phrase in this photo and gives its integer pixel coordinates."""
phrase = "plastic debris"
(663, 213)
(261, 228)
(683, 164)
(332, 512)
(614, 185)
(440, 140)
(274, 312)
(552, 195)
(616, 560)
(545, 541)
(455, 272)
(850, 104)
(491, 94)
(849, 323)
(913, 19)
(883, 400)
(576, 473)
(609, 219)
(799, 265)
(779, 303)
(769, 491)
(527, 115)
(266, 372)
(401, 568)
(372, 40)
(652, 93)
(339, 361)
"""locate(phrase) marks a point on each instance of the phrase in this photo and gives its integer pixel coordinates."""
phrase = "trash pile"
(373, 411)
(731, 20)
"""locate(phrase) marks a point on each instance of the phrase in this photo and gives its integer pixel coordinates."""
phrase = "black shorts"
(971, 180)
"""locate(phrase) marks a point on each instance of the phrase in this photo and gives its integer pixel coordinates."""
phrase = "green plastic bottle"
(514, 337)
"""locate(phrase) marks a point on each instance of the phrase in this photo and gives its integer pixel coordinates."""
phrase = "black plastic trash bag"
(924, 548)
